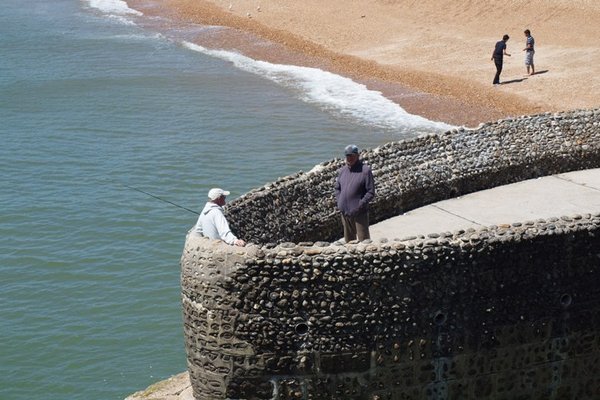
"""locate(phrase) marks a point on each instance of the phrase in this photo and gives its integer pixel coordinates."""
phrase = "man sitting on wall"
(212, 222)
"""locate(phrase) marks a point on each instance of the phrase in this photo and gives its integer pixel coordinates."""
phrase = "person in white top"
(212, 222)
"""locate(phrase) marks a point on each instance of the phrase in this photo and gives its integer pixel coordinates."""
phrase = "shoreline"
(455, 96)
(254, 40)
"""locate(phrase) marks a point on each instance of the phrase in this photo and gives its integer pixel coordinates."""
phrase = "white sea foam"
(331, 92)
(118, 7)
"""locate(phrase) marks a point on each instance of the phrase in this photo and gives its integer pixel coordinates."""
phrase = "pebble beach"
(430, 57)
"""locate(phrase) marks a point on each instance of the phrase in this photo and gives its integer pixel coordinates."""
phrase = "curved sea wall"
(501, 312)
(414, 173)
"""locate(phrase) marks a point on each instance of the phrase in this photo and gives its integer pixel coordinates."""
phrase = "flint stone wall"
(502, 312)
(414, 173)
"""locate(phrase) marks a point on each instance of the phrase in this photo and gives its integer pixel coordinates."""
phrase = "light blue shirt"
(213, 224)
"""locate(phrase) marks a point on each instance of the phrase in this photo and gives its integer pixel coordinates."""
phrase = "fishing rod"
(158, 198)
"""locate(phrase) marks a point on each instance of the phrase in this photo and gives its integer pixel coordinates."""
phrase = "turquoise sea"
(94, 108)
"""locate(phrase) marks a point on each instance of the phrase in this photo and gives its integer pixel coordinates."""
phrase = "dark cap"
(351, 149)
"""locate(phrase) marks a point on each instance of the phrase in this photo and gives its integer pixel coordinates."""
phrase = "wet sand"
(432, 57)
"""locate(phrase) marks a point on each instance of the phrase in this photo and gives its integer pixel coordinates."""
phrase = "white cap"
(215, 193)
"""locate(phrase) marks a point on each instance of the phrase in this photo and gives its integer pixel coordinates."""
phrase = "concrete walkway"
(553, 196)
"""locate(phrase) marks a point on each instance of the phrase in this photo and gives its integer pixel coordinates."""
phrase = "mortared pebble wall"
(502, 312)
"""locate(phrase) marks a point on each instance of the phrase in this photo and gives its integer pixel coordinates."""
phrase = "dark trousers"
(356, 227)
(498, 62)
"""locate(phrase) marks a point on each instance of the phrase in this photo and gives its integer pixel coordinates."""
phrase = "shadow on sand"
(524, 78)
(513, 81)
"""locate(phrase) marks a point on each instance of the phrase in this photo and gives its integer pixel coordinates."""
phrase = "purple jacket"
(354, 189)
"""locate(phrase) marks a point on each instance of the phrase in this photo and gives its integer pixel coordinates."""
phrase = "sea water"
(96, 109)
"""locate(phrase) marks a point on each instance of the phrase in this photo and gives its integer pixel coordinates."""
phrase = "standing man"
(354, 189)
(529, 43)
(497, 57)
(212, 222)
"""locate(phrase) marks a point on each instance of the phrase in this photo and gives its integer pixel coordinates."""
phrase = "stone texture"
(177, 387)
(503, 312)
(413, 173)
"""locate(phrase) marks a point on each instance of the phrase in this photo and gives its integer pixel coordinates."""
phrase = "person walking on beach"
(529, 44)
(212, 222)
(354, 190)
(497, 57)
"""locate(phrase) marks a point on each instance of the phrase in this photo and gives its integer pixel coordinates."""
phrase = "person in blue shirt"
(497, 57)
(530, 51)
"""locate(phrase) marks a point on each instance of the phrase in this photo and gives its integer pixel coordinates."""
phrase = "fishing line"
(158, 198)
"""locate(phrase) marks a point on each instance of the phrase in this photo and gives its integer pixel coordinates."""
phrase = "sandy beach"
(432, 57)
